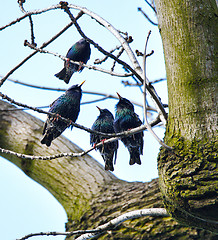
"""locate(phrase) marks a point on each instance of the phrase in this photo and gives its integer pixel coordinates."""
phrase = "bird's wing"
(93, 137)
(117, 125)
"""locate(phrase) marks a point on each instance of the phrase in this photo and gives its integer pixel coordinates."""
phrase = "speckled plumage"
(125, 119)
(79, 52)
(67, 106)
(105, 123)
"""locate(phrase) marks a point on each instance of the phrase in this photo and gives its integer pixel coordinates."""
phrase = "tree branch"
(152, 212)
(144, 99)
(26, 43)
(43, 45)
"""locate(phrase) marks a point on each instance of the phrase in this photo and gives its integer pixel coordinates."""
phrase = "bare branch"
(151, 5)
(43, 45)
(26, 43)
(99, 61)
(130, 132)
(20, 2)
(147, 17)
(32, 32)
(114, 31)
(152, 212)
(137, 69)
(35, 12)
(105, 95)
(113, 137)
(144, 99)
(58, 233)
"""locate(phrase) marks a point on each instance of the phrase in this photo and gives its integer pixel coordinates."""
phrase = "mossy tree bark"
(90, 195)
(189, 178)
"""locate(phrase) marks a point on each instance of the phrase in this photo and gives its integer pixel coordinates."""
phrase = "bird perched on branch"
(105, 123)
(79, 52)
(67, 106)
(126, 119)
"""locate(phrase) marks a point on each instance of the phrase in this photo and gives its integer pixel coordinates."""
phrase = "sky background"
(25, 206)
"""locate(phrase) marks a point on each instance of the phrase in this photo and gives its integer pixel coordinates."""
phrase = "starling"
(126, 119)
(67, 106)
(79, 52)
(105, 123)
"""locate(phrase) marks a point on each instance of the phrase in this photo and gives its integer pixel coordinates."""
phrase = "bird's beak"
(119, 95)
(81, 83)
(98, 108)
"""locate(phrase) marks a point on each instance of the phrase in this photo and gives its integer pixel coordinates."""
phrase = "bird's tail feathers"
(47, 139)
(134, 156)
(108, 159)
(64, 75)
(109, 165)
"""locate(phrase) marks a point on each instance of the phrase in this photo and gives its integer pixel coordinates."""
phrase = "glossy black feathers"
(126, 119)
(67, 106)
(79, 52)
(105, 123)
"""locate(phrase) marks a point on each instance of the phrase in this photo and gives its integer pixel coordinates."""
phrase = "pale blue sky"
(25, 206)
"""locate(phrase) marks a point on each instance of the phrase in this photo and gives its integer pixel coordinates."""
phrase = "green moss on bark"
(189, 179)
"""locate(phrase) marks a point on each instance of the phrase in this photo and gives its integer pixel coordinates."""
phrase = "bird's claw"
(80, 67)
(56, 117)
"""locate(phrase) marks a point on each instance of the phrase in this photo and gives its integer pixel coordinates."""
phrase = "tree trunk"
(90, 195)
(189, 177)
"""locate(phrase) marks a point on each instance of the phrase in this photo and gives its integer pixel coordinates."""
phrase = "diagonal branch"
(43, 45)
(26, 43)
(152, 212)
(137, 71)
(125, 133)
(113, 138)
(147, 17)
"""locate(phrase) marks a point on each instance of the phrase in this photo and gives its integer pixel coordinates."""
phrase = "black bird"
(126, 119)
(105, 123)
(79, 52)
(67, 106)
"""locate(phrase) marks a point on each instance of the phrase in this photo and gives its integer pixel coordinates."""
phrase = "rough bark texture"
(189, 179)
(90, 195)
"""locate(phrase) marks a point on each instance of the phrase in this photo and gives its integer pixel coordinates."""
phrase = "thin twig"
(144, 99)
(107, 95)
(27, 14)
(152, 6)
(118, 55)
(32, 31)
(147, 17)
(58, 233)
(43, 45)
(99, 61)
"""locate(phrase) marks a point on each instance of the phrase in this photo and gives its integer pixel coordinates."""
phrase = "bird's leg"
(70, 124)
(103, 144)
(79, 69)
(68, 62)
